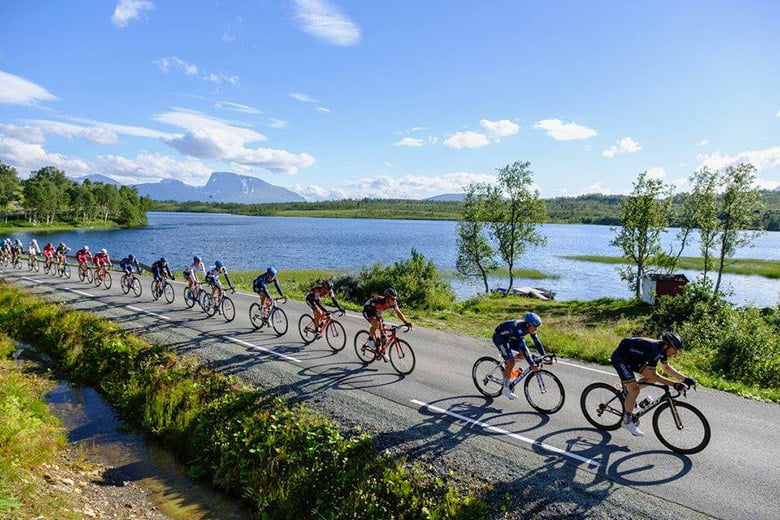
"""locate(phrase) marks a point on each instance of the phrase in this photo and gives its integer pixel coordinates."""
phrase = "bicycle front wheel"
(208, 305)
(228, 309)
(402, 357)
(125, 284)
(256, 315)
(107, 281)
(364, 352)
(189, 299)
(336, 336)
(278, 321)
(488, 376)
(681, 427)
(66, 271)
(306, 328)
(36, 265)
(544, 391)
(81, 274)
(602, 405)
(168, 292)
(136, 286)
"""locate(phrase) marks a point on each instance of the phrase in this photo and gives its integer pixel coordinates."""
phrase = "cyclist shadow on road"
(338, 376)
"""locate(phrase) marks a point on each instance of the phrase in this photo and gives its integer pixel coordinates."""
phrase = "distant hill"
(448, 197)
(96, 177)
(221, 187)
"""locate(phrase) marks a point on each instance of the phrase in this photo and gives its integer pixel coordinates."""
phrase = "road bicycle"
(334, 331)
(543, 390)
(218, 304)
(394, 349)
(130, 282)
(276, 318)
(16, 261)
(48, 266)
(85, 273)
(33, 264)
(164, 288)
(679, 426)
(62, 269)
(194, 295)
(102, 276)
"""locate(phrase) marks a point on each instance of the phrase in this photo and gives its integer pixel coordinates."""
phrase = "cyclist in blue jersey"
(212, 278)
(509, 337)
(159, 269)
(260, 286)
(642, 355)
(127, 264)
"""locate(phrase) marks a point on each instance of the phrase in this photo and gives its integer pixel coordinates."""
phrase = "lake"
(252, 243)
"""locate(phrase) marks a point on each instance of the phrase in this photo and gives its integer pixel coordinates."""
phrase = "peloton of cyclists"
(260, 286)
(159, 269)
(212, 277)
(314, 300)
(509, 337)
(372, 312)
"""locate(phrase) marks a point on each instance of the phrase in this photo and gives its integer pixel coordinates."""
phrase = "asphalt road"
(541, 466)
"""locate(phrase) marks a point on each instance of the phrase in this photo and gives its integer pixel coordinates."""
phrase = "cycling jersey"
(158, 269)
(191, 270)
(212, 277)
(127, 265)
(315, 294)
(374, 306)
(62, 250)
(634, 354)
(83, 256)
(101, 259)
(33, 250)
(510, 335)
(260, 285)
(48, 252)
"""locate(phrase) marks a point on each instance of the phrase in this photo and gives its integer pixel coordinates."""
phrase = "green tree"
(9, 188)
(475, 254)
(644, 215)
(702, 202)
(740, 209)
(513, 210)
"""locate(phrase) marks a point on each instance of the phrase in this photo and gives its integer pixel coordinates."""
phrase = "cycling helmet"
(391, 292)
(50, 244)
(670, 338)
(86, 248)
(196, 259)
(326, 284)
(163, 260)
(271, 271)
(62, 244)
(131, 257)
(104, 251)
(218, 263)
(532, 319)
(33, 241)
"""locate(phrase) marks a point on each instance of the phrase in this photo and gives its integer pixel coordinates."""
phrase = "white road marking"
(32, 279)
(268, 351)
(150, 313)
(79, 292)
(613, 373)
(589, 462)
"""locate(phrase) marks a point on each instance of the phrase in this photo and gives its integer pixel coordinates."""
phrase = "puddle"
(91, 422)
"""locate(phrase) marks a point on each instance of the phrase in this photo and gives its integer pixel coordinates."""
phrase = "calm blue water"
(248, 243)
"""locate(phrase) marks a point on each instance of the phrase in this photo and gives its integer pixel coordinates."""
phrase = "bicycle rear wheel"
(487, 374)
(189, 299)
(36, 265)
(364, 352)
(168, 292)
(306, 328)
(278, 321)
(690, 435)
(81, 274)
(336, 336)
(602, 405)
(136, 286)
(66, 271)
(401, 357)
(155, 292)
(544, 391)
(125, 284)
(208, 305)
(256, 315)
(228, 309)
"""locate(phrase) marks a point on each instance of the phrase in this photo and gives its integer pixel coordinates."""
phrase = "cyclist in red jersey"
(372, 311)
(313, 300)
(83, 256)
(101, 259)
(48, 253)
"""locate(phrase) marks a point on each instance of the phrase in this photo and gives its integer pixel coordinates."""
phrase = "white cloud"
(409, 186)
(408, 141)
(761, 159)
(237, 107)
(219, 77)
(323, 110)
(466, 140)
(228, 38)
(656, 172)
(194, 120)
(561, 131)
(27, 134)
(303, 97)
(594, 189)
(323, 20)
(703, 142)
(277, 123)
(625, 145)
(778, 114)
(136, 131)
(167, 63)
(499, 129)
(95, 134)
(128, 10)
(151, 167)
(29, 156)
(15, 90)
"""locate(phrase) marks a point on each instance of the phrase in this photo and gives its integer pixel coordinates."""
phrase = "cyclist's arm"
(336, 302)
(168, 271)
(230, 284)
(523, 347)
(278, 287)
(401, 316)
(538, 344)
(671, 371)
(651, 375)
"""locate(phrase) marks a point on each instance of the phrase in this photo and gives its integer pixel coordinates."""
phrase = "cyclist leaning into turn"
(509, 337)
(61, 253)
(212, 278)
(48, 253)
(34, 250)
(372, 312)
(260, 286)
(314, 300)
(641, 355)
(83, 256)
(127, 263)
(192, 270)
(159, 269)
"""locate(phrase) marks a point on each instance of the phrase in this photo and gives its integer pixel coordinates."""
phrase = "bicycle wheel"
(364, 352)
(487, 374)
(155, 292)
(256, 316)
(136, 286)
(401, 357)
(189, 299)
(36, 265)
(81, 274)
(336, 336)
(691, 435)
(306, 328)
(544, 391)
(88, 276)
(168, 292)
(107, 282)
(602, 405)
(278, 321)
(208, 305)
(125, 285)
(66, 271)
(228, 309)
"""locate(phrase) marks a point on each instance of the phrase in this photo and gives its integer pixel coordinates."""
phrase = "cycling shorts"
(314, 302)
(505, 348)
(370, 312)
(624, 371)
(214, 282)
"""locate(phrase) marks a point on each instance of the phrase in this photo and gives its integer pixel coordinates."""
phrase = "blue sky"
(351, 98)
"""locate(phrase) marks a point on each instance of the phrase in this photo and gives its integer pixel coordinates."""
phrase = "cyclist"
(83, 256)
(191, 271)
(33, 250)
(212, 277)
(127, 264)
(314, 300)
(509, 337)
(642, 355)
(16, 250)
(159, 269)
(372, 312)
(48, 253)
(61, 253)
(102, 262)
(260, 286)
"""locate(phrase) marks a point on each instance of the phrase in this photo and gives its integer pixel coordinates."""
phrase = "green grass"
(22, 226)
(749, 266)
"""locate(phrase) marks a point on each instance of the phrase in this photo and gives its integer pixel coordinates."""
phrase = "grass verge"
(747, 266)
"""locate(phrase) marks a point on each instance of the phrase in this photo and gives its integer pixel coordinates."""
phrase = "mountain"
(96, 177)
(448, 197)
(221, 187)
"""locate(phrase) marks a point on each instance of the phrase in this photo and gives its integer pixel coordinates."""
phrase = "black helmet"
(670, 338)
(391, 292)
(327, 284)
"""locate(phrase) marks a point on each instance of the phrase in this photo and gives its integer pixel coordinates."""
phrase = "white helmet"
(34, 242)
(104, 251)
(86, 248)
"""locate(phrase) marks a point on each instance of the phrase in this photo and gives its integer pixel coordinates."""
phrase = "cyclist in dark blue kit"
(260, 286)
(127, 264)
(509, 338)
(159, 269)
(641, 355)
